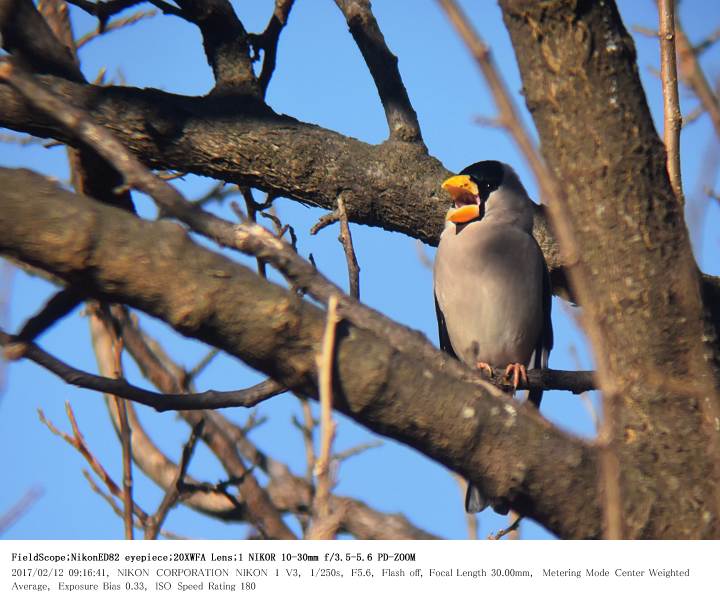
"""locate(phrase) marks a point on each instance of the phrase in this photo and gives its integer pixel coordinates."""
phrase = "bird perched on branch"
(492, 287)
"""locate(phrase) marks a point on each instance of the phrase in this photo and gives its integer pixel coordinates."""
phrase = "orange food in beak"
(463, 213)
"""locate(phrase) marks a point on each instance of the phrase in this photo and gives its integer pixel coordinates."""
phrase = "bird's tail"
(474, 500)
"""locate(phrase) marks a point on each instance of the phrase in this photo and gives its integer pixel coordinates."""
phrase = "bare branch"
(356, 450)
(287, 491)
(19, 509)
(125, 441)
(347, 243)
(383, 65)
(261, 511)
(77, 441)
(114, 26)
(268, 41)
(507, 530)
(201, 366)
(175, 492)
(671, 98)
(167, 378)
(248, 238)
(226, 44)
(27, 36)
(693, 74)
(59, 306)
(325, 364)
(212, 399)
(326, 220)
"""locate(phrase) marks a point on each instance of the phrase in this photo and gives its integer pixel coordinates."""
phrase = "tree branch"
(27, 36)
(347, 243)
(226, 44)
(249, 397)
(692, 73)
(383, 65)
(268, 41)
(177, 489)
(671, 98)
(59, 306)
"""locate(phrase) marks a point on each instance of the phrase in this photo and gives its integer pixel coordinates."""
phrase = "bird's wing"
(545, 340)
(445, 344)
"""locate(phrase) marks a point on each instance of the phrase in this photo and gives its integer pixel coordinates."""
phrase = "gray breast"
(489, 283)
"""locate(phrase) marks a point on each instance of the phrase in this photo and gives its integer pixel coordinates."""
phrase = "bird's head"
(471, 189)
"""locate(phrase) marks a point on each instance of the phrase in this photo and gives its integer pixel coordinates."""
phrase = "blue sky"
(320, 78)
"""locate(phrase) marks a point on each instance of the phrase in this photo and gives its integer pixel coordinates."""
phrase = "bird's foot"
(485, 367)
(516, 370)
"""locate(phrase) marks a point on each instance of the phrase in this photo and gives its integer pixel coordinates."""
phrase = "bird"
(491, 284)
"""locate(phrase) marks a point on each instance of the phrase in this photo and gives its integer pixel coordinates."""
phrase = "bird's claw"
(516, 370)
(485, 367)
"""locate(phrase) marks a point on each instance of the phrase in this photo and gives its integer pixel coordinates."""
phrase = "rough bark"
(394, 185)
(583, 90)
(156, 268)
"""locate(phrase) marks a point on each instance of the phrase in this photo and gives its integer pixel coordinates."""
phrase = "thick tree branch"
(582, 87)
(392, 185)
(383, 65)
(550, 477)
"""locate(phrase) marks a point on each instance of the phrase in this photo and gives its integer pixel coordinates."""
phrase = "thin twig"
(77, 441)
(325, 220)
(114, 26)
(325, 364)
(307, 428)
(19, 509)
(671, 98)
(347, 243)
(356, 450)
(693, 74)
(252, 210)
(125, 440)
(174, 492)
(201, 365)
(500, 534)
(115, 508)
(288, 492)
